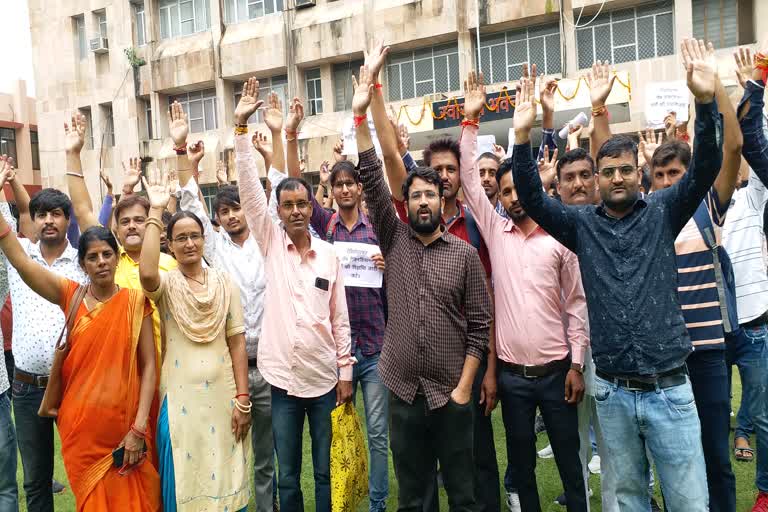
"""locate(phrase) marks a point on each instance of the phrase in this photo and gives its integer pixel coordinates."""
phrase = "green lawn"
(548, 478)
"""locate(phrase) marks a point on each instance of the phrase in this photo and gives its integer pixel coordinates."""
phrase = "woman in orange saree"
(109, 377)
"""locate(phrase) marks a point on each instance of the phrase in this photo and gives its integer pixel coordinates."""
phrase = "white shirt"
(744, 239)
(37, 323)
(5, 211)
(245, 264)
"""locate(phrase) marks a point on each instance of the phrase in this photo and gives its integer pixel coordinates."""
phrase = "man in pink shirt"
(540, 322)
(304, 351)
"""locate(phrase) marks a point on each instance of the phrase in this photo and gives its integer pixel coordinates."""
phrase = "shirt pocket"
(319, 300)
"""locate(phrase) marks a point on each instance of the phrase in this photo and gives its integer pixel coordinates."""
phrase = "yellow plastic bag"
(349, 460)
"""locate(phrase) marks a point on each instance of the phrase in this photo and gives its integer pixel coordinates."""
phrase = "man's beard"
(235, 232)
(426, 227)
(622, 205)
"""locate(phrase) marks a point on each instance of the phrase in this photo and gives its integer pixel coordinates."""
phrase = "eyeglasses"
(182, 239)
(341, 184)
(301, 205)
(625, 170)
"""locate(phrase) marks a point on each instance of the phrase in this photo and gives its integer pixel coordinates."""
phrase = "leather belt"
(668, 379)
(251, 362)
(537, 371)
(39, 381)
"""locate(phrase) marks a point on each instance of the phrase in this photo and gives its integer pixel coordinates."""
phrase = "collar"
(510, 226)
(443, 235)
(640, 203)
(362, 218)
(458, 216)
(125, 257)
(288, 243)
(69, 254)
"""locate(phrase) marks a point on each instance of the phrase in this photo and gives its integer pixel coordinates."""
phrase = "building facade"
(19, 136)
(121, 62)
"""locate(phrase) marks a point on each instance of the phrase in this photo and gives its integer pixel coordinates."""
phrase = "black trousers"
(419, 438)
(519, 398)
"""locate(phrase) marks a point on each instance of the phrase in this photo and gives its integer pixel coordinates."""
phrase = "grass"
(548, 479)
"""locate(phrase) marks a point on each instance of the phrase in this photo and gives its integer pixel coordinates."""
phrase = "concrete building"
(88, 54)
(19, 136)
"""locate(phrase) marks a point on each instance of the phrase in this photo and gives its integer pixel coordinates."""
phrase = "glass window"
(148, 118)
(8, 144)
(86, 111)
(424, 71)
(626, 35)
(209, 195)
(716, 21)
(342, 84)
(244, 10)
(107, 126)
(34, 142)
(101, 19)
(183, 17)
(200, 107)
(81, 40)
(502, 55)
(141, 24)
(278, 84)
(314, 91)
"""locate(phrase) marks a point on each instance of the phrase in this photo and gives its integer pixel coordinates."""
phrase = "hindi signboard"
(357, 266)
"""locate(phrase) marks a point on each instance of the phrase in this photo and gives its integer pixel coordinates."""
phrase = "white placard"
(357, 266)
(485, 144)
(350, 137)
(661, 98)
(511, 143)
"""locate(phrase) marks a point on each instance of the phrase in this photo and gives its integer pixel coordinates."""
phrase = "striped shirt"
(696, 281)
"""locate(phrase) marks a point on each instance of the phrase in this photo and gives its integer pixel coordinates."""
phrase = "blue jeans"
(35, 439)
(9, 494)
(288, 427)
(664, 420)
(376, 401)
(750, 353)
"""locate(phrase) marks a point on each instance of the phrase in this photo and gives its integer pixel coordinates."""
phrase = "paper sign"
(357, 266)
(661, 98)
(350, 137)
(511, 144)
(485, 144)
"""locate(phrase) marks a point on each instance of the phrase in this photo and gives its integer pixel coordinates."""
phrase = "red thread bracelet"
(470, 122)
(761, 63)
(359, 119)
(290, 132)
(242, 394)
(378, 86)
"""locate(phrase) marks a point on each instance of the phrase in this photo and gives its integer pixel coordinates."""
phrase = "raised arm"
(385, 221)
(554, 217)
(751, 116)
(158, 193)
(81, 201)
(684, 197)
(26, 225)
(41, 280)
(105, 214)
(295, 116)
(273, 117)
(320, 216)
(728, 177)
(600, 81)
(547, 100)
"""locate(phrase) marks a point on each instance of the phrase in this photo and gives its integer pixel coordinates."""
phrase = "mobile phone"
(118, 456)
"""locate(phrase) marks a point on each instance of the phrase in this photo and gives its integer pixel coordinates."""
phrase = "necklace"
(201, 283)
(100, 301)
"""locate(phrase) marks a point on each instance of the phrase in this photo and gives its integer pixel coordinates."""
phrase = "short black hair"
(94, 234)
(504, 168)
(344, 167)
(183, 214)
(490, 156)
(574, 155)
(166, 217)
(669, 151)
(441, 145)
(228, 195)
(48, 200)
(617, 146)
(293, 184)
(129, 202)
(427, 174)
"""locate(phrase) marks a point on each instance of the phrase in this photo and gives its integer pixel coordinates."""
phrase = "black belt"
(762, 319)
(251, 362)
(39, 381)
(537, 371)
(666, 380)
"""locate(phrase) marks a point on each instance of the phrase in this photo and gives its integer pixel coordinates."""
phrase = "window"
(627, 35)
(278, 84)
(244, 10)
(107, 126)
(148, 118)
(209, 195)
(8, 143)
(502, 55)
(141, 23)
(101, 20)
(717, 21)
(183, 17)
(427, 71)
(200, 107)
(342, 84)
(86, 111)
(314, 91)
(34, 143)
(81, 41)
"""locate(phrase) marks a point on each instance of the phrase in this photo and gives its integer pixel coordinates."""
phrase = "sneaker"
(761, 504)
(539, 426)
(560, 500)
(546, 452)
(513, 502)
(56, 487)
(655, 506)
(594, 465)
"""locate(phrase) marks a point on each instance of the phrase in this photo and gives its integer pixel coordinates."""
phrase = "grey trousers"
(261, 439)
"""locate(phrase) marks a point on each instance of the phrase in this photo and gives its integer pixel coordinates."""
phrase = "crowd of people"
(178, 351)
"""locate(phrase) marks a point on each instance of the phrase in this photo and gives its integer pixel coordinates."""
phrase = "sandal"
(745, 454)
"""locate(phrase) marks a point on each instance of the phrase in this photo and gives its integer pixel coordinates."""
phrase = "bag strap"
(74, 305)
(330, 229)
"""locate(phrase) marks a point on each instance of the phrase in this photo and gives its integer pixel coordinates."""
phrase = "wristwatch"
(577, 367)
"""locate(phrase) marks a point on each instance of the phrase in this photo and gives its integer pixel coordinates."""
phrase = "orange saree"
(101, 382)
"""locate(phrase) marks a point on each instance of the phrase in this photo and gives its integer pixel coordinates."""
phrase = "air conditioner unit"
(305, 3)
(99, 45)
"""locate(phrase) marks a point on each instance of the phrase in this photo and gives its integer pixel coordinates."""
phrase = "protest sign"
(357, 266)
(485, 143)
(661, 98)
(350, 137)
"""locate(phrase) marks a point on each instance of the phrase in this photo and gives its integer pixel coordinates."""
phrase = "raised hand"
(474, 95)
(647, 145)
(177, 124)
(701, 68)
(107, 182)
(548, 167)
(273, 117)
(745, 66)
(7, 173)
(600, 81)
(262, 145)
(375, 59)
(131, 175)
(574, 132)
(221, 173)
(670, 125)
(249, 101)
(338, 149)
(363, 91)
(196, 152)
(74, 134)
(525, 110)
(158, 189)
(500, 152)
(325, 174)
(295, 116)
(547, 94)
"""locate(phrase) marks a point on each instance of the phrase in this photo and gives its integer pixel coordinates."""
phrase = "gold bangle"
(241, 129)
(151, 221)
